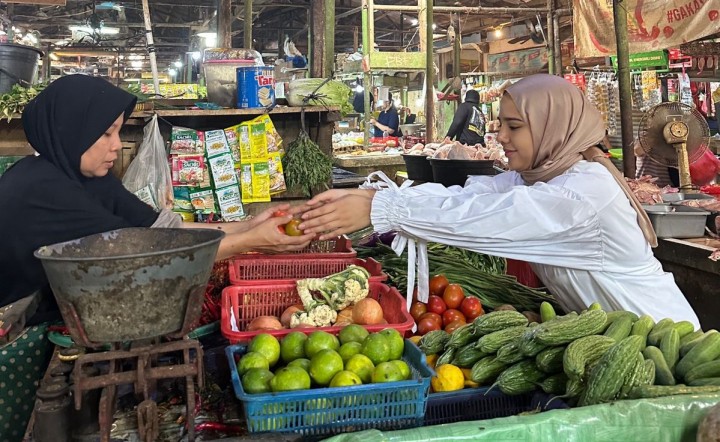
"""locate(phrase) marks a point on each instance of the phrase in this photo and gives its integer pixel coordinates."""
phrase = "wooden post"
(328, 66)
(558, 45)
(356, 41)
(247, 25)
(623, 61)
(549, 38)
(224, 23)
(457, 48)
(429, 75)
(322, 31)
(368, 38)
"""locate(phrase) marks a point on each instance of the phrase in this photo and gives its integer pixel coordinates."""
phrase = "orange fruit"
(448, 378)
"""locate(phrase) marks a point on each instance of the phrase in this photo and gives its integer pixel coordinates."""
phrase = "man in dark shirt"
(388, 120)
(468, 125)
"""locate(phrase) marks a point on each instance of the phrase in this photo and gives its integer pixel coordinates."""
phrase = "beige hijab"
(565, 129)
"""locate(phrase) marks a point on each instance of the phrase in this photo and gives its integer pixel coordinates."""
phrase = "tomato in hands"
(453, 295)
(292, 228)
(438, 284)
(436, 304)
(451, 315)
(471, 307)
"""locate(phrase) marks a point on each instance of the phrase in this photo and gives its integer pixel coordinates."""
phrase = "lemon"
(349, 350)
(395, 341)
(376, 348)
(403, 367)
(292, 346)
(303, 363)
(267, 345)
(345, 378)
(353, 333)
(324, 365)
(448, 378)
(252, 360)
(320, 340)
(290, 379)
(257, 380)
(362, 366)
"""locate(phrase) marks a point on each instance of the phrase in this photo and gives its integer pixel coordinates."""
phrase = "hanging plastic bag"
(148, 176)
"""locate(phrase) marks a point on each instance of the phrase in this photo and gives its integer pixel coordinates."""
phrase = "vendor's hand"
(337, 213)
(373, 121)
(266, 236)
(329, 196)
(447, 140)
(267, 214)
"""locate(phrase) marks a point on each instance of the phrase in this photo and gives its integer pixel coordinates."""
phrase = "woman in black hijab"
(68, 192)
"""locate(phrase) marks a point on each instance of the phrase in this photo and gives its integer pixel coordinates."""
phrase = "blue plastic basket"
(473, 404)
(324, 411)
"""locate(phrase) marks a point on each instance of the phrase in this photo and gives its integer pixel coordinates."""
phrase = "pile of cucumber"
(587, 358)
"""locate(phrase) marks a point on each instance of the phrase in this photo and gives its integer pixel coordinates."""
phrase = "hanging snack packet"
(184, 141)
(244, 142)
(258, 142)
(277, 178)
(203, 201)
(216, 143)
(223, 170)
(255, 182)
(181, 199)
(274, 141)
(188, 170)
(231, 135)
(230, 203)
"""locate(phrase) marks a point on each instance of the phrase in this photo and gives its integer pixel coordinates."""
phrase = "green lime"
(403, 367)
(252, 360)
(353, 333)
(303, 363)
(345, 378)
(292, 346)
(324, 365)
(257, 380)
(349, 349)
(376, 348)
(320, 340)
(387, 372)
(290, 379)
(395, 341)
(362, 366)
(266, 345)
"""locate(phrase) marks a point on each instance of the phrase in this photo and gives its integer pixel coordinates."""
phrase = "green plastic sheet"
(667, 419)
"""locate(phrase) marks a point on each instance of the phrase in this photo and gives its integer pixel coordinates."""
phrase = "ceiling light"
(137, 64)
(434, 26)
(498, 32)
(196, 55)
(414, 22)
(54, 57)
(178, 64)
(172, 72)
(359, 88)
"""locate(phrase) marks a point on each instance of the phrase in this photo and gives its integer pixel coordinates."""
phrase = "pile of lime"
(300, 361)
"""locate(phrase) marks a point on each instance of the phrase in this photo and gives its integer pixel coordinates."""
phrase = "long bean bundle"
(479, 275)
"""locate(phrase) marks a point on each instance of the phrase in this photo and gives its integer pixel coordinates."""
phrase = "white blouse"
(578, 231)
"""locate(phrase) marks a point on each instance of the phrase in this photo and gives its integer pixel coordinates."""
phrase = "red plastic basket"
(249, 302)
(340, 247)
(281, 269)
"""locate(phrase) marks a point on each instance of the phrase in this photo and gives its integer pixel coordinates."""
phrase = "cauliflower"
(339, 290)
(320, 316)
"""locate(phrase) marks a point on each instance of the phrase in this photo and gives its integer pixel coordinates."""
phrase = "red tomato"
(426, 325)
(418, 309)
(453, 295)
(471, 307)
(451, 315)
(438, 284)
(279, 213)
(436, 304)
(292, 227)
(451, 327)
(434, 317)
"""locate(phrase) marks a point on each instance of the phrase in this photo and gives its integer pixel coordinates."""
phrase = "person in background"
(468, 125)
(645, 166)
(562, 206)
(67, 192)
(388, 122)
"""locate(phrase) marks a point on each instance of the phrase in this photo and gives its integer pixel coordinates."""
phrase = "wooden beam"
(38, 2)
(430, 135)
(625, 86)
(248, 25)
(323, 38)
(224, 23)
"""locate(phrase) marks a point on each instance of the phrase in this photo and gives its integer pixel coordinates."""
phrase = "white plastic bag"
(148, 176)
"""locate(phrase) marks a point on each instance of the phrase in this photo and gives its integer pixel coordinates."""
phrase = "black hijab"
(46, 197)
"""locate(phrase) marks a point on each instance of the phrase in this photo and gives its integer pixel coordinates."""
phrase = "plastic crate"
(325, 411)
(340, 247)
(271, 269)
(473, 404)
(250, 301)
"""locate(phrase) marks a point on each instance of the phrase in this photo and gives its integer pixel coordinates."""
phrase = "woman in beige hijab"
(563, 207)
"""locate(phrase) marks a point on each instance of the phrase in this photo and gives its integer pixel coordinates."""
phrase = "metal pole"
(429, 76)
(549, 41)
(247, 25)
(150, 45)
(623, 60)
(368, 29)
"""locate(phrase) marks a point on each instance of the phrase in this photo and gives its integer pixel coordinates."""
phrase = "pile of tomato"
(447, 308)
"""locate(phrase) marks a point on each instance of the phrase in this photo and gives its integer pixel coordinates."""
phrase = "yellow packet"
(255, 182)
(244, 142)
(258, 141)
(274, 140)
(232, 136)
(277, 177)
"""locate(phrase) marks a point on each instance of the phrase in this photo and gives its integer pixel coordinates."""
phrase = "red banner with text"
(652, 24)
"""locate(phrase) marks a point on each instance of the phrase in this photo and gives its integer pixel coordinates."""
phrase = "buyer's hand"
(267, 214)
(337, 212)
(373, 121)
(266, 236)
